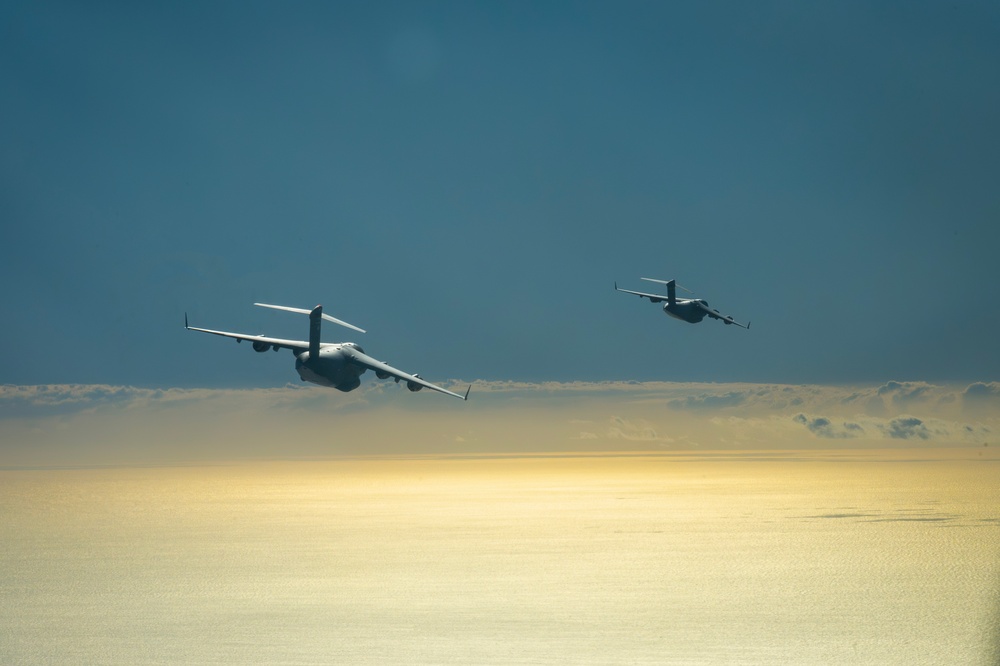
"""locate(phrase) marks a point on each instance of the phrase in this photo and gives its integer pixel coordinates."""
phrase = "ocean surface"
(858, 557)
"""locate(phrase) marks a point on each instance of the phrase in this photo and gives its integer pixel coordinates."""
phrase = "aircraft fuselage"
(687, 310)
(332, 367)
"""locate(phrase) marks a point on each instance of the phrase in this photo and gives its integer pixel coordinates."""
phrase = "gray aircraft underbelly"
(685, 312)
(332, 369)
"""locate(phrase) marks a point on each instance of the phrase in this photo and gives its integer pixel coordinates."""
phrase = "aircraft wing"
(655, 298)
(715, 314)
(294, 345)
(374, 364)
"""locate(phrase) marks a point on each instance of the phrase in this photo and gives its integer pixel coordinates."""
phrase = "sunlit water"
(610, 560)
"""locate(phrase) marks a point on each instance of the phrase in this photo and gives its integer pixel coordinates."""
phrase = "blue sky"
(467, 181)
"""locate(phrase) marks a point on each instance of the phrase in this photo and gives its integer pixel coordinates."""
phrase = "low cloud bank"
(96, 424)
(887, 399)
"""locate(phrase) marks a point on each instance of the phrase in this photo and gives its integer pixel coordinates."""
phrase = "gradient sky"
(467, 181)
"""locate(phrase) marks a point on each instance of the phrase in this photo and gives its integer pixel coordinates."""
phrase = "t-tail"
(316, 318)
(671, 289)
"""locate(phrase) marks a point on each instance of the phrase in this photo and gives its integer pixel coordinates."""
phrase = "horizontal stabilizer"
(668, 283)
(304, 311)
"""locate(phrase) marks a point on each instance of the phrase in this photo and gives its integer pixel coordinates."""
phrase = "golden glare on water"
(767, 558)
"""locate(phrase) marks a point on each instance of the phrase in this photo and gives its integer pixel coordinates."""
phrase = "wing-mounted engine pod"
(259, 346)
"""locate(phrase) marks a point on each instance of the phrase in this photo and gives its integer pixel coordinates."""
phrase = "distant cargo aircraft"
(691, 310)
(335, 364)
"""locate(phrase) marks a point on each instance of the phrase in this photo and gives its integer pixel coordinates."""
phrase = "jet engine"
(259, 346)
(382, 375)
(413, 386)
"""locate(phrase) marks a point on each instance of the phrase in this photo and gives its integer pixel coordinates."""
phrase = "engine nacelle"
(260, 346)
(382, 375)
(413, 386)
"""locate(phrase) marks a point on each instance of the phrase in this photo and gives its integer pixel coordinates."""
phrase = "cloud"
(905, 392)
(889, 387)
(63, 399)
(640, 431)
(898, 428)
(890, 399)
(709, 401)
(58, 398)
(907, 428)
(982, 391)
(616, 429)
(824, 427)
(980, 400)
(91, 424)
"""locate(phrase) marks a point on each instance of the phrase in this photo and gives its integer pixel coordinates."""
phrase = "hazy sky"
(467, 181)
(74, 425)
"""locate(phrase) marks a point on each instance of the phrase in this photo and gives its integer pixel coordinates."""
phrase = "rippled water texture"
(864, 558)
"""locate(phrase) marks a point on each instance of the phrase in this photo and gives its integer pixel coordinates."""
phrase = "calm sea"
(852, 558)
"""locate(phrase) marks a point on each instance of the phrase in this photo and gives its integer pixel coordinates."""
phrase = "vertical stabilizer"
(315, 324)
(671, 292)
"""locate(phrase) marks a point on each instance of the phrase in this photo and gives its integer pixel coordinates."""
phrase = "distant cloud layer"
(84, 424)
(982, 391)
